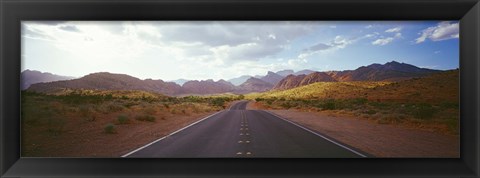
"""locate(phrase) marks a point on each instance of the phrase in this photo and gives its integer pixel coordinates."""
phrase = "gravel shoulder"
(380, 140)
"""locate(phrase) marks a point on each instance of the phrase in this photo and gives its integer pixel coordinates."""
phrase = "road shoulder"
(380, 140)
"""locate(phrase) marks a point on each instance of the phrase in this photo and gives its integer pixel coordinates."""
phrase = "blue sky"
(203, 50)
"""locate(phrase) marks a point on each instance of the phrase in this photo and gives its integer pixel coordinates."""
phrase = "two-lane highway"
(237, 132)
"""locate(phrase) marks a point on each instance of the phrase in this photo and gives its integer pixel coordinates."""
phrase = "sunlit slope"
(437, 87)
(321, 90)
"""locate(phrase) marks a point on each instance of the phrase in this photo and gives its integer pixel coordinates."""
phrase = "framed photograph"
(240, 88)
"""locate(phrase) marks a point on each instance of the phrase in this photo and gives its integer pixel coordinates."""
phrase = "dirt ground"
(88, 139)
(379, 140)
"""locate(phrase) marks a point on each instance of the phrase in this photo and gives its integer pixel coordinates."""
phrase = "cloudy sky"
(202, 50)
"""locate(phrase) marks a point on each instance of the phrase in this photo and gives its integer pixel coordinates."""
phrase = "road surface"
(237, 132)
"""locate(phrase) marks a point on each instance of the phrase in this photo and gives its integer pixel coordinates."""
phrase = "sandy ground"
(379, 140)
(88, 139)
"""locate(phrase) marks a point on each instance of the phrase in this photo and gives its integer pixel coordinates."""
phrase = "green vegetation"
(55, 126)
(384, 112)
(123, 119)
(110, 129)
(51, 115)
(418, 101)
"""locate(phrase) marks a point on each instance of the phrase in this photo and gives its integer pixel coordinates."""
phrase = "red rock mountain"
(391, 71)
(293, 81)
(290, 81)
(272, 78)
(109, 81)
(29, 77)
(316, 77)
(253, 85)
(207, 87)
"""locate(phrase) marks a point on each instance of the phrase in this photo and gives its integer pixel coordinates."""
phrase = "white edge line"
(138, 149)
(304, 128)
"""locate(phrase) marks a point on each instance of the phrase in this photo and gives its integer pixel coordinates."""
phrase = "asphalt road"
(236, 132)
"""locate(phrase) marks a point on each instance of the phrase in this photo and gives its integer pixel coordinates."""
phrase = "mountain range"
(29, 77)
(281, 80)
(390, 71)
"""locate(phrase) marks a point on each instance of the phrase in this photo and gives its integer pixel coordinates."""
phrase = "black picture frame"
(14, 11)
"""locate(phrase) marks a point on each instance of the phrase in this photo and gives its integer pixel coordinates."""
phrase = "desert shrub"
(269, 102)
(108, 97)
(123, 119)
(379, 105)
(129, 104)
(424, 111)
(32, 114)
(219, 101)
(448, 105)
(285, 105)
(329, 105)
(90, 118)
(85, 111)
(55, 126)
(113, 107)
(149, 110)
(110, 128)
(81, 98)
(166, 105)
(258, 99)
(359, 101)
(370, 112)
(241, 97)
(148, 118)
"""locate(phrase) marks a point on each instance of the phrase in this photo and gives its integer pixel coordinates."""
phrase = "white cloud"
(383, 41)
(386, 40)
(443, 31)
(394, 30)
(167, 46)
(341, 42)
(338, 42)
(368, 26)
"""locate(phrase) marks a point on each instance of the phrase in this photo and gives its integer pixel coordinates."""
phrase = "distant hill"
(253, 85)
(179, 81)
(284, 72)
(440, 87)
(293, 81)
(29, 77)
(109, 81)
(290, 81)
(272, 78)
(316, 77)
(239, 80)
(391, 71)
(207, 87)
(304, 72)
